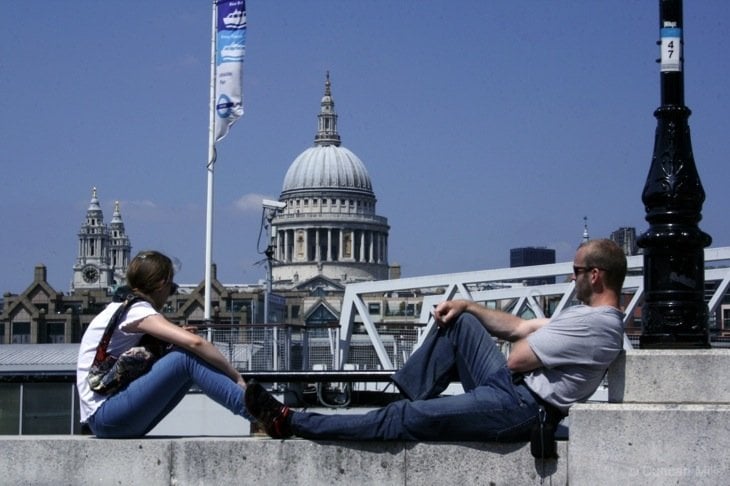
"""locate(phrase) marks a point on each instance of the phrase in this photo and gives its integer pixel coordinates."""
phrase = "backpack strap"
(101, 349)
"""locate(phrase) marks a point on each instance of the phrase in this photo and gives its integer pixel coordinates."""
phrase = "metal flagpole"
(226, 103)
(210, 168)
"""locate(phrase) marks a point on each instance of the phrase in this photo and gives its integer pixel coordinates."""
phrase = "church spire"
(119, 247)
(94, 210)
(117, 216)
(327, 119)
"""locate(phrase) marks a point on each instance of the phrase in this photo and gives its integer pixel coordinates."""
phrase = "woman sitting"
(191, 360)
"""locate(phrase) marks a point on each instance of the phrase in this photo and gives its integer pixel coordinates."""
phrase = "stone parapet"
(66, 460)
(649, 444)
(670, 376)
(668, 422)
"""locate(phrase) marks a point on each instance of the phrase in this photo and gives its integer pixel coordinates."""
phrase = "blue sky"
(484, 125)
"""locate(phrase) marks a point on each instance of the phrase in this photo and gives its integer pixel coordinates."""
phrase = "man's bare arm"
(522, 358)
(500, 324)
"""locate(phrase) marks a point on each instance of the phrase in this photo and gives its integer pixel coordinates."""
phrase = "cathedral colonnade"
(332, 244)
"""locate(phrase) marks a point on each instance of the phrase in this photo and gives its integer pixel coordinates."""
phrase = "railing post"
(674, 314)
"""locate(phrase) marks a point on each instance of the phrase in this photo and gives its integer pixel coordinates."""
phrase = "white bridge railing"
(498, 285)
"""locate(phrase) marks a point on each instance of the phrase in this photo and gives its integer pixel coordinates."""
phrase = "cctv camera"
(269, 204)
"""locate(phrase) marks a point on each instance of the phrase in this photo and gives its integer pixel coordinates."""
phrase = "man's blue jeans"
(492, 408)
(134, 411)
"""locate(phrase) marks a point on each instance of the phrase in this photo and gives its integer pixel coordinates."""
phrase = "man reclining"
(553, 364)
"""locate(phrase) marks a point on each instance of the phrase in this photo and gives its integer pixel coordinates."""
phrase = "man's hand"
(447, 311)
(499, 324)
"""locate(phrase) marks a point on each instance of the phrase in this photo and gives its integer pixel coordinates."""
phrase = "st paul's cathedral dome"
(329, 226)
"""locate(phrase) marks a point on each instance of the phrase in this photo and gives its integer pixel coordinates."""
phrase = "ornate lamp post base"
(674, 314)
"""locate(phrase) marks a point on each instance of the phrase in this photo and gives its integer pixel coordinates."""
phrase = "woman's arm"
(159, 327)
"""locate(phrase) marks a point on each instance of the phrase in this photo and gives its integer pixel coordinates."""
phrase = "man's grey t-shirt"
(575, 347)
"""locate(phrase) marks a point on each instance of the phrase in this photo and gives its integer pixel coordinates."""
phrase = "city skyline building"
(326, 236)
(530, 256)
(625, 237)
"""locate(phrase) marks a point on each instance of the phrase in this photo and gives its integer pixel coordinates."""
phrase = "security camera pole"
(270, 209)
(674, 314)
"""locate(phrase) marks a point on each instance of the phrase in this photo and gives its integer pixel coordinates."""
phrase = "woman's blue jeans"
(492, 408)
(134, 411)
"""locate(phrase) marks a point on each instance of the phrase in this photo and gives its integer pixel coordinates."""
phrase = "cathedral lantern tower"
(329, 227)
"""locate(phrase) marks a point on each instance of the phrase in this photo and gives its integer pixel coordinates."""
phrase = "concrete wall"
(668, 422)
(217, 461)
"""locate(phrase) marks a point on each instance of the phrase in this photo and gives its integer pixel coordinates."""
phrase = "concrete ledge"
(649, 444)
(670, 376)
(66, 460)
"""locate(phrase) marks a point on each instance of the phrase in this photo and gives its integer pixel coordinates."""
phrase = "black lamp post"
(674, 314)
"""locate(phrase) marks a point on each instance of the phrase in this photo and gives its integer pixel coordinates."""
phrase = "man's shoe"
(274, 416)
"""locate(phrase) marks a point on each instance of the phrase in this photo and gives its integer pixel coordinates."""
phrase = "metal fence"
(504, 289)
(288, 347)
(363, 341)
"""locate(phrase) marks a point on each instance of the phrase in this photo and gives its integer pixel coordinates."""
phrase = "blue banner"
(230, 51)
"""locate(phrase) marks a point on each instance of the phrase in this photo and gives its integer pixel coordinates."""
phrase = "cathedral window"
(347, 253)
